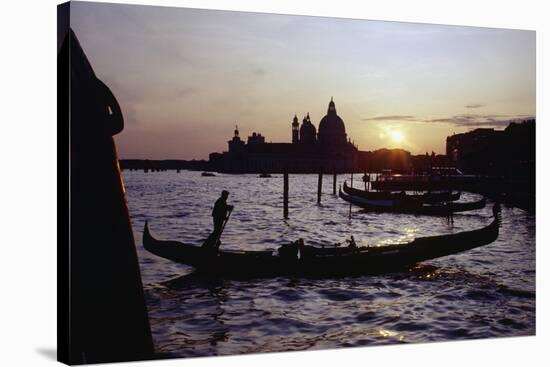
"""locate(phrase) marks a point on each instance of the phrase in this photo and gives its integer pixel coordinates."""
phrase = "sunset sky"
(185, 77)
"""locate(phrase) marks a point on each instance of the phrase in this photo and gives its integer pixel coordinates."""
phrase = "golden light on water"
(386, 333)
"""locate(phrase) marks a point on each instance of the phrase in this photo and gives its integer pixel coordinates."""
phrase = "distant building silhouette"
(295, 130)
(256, 139)
(398, 160)
(332, 131)
(488, 151)
(508, 156)
(460, 146)
(309, 151)
(308, 133)
(236, 145)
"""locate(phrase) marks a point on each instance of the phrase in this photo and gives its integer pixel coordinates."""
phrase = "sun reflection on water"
(387, 333)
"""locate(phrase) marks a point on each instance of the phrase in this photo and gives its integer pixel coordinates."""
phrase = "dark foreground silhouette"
(102, 315)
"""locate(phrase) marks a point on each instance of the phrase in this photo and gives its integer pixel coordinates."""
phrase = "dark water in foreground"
(485, 292)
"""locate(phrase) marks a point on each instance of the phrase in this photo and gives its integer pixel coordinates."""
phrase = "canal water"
(483, 293)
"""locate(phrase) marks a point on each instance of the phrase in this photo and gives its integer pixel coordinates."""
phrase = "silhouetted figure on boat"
(351, 242)
(450, 218)
(220, 214)
(292, 250)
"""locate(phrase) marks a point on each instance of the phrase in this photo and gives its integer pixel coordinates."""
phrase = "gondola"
(314, 261)
(412, 206)
(425, 198)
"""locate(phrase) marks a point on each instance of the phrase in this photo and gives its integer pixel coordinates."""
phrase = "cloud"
(472, 120)
(259, 72)
(475, 105)
(390, 118)
(464, 120)
(458, 120)
(372, 75)
(184, 92)
(486, 123)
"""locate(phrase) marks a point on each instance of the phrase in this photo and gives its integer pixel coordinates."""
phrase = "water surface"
(485, 292)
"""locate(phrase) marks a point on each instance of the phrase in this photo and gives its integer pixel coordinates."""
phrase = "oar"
(225, 222)
(223, 227)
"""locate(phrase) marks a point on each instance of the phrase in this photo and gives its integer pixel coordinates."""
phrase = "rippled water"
(485, 292)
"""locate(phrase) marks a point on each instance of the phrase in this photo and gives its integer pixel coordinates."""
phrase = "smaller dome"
(308, 132)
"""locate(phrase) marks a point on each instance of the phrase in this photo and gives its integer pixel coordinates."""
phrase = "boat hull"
(426, 182)
(425, 198)
(412, 206)
(313, 261)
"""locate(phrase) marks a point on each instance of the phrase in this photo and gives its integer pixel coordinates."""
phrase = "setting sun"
(397, 136)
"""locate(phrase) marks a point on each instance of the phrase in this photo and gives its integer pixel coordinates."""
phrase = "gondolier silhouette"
(220, 215)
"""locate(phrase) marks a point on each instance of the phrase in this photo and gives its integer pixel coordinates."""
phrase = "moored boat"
(208, 174)
(412, 206)
(439, 178)
(314, 261)
(427, 197)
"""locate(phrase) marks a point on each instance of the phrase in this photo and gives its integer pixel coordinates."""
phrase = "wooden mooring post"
(351, 185)
(285, 195)
(319, 187)
(334, 184)
(370, 182)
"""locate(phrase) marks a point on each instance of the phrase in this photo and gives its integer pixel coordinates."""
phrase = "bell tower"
(295, 130)
(236, 145)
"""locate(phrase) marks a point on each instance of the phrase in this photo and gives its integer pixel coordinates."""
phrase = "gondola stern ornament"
(146, 233)
(497, 212)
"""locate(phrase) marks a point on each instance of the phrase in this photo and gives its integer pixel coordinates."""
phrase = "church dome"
(331, 125)
(307, 131)
(332, 128)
